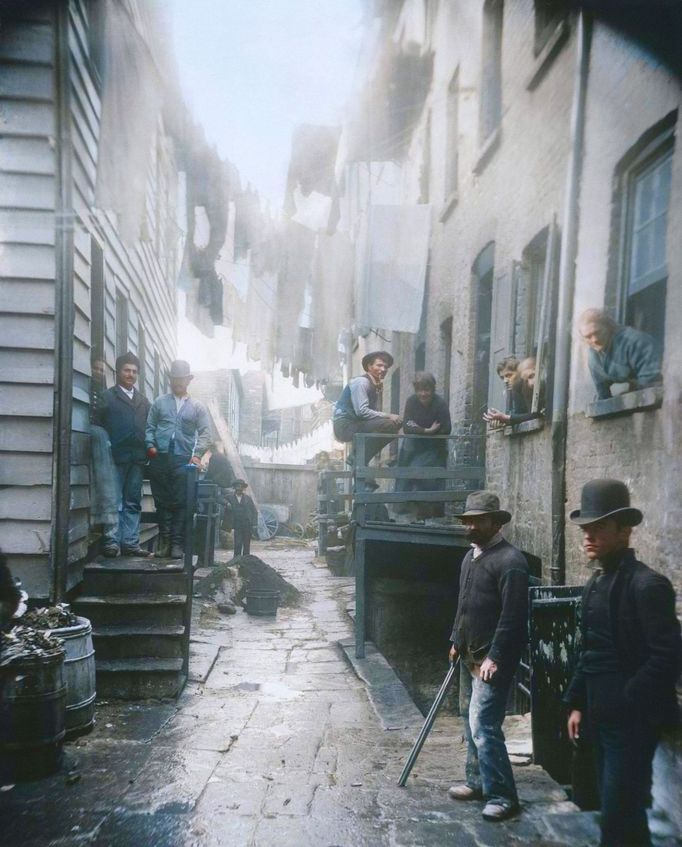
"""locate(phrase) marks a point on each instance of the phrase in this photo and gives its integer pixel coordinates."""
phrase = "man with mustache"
(623, 690)
(489, 634)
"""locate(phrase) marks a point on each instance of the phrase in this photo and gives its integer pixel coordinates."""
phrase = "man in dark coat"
(358, 409)
(122, 411)
(623, 690)
(488, 636)
(244, 517)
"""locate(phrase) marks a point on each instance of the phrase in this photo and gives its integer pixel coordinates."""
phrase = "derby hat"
(368, 358)
(484, 503)
(179, 369)
(240, 483)
(605, 498)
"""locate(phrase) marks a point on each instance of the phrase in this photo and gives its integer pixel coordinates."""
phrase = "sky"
(251, 71)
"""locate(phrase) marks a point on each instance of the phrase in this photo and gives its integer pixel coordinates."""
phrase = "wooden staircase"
(139, 610)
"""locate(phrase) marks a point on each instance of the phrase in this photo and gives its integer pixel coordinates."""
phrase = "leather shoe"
(464, 792)
(177, 552)
(110, 551)
(135, 551)
(498, 811)
(164, 547)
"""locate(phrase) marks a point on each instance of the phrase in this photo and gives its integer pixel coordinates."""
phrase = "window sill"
(633, 401)
(525, 427)
(546, 56)
(491, 144)
(448, 206)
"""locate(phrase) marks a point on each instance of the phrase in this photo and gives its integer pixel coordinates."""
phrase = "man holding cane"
(489, 634)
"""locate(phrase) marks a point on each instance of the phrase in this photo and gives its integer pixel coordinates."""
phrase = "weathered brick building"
(541, 133)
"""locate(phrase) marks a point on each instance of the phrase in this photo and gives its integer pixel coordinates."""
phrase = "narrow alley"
(278, 743)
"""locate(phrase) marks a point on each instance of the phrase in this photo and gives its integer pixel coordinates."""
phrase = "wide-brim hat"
(605, 498)
(368, 358)
(179, 369)
(484, 503)
(240, 482)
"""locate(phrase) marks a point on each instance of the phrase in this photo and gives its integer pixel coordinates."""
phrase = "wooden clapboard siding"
(27, 297)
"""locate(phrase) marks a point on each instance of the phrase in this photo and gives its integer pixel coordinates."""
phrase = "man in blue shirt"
(177, 434)
(618, 355)
(358, 409)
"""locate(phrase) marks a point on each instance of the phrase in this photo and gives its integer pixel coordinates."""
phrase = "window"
(491, 69)
(420, 357)
(96, 10)
(645, 269)
(121, 324)
(142, 356)
(483, 269)
(528, 284)
(446, 356)
(157, 373)
(548, 15)
(425, 173)
(96, 300)
(452, 137)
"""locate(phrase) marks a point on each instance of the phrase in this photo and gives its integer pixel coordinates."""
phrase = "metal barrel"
(79, 676)
(262, 601)
(428, 723)
(32, 711)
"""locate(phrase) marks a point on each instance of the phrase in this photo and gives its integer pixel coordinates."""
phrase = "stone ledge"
(632, 401)
(524, 427)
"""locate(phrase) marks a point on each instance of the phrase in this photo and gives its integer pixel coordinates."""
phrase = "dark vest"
(344, 405)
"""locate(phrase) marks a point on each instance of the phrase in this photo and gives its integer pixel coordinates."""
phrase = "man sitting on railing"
(358, 409)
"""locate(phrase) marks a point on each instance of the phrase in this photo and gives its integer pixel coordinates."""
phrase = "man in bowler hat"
(623, 690)
(358, 409)
(177, 434)
(489, 634)
(244, 517)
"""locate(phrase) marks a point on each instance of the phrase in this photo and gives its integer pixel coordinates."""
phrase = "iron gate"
(554, 641)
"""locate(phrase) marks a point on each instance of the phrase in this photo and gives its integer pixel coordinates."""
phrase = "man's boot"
(163, 549)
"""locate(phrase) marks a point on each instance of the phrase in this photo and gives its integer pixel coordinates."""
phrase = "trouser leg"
(472, 770)
(131, 506)
(113, 533)
(238, 541)
(162, 491)
(486, 715)
(179, 510)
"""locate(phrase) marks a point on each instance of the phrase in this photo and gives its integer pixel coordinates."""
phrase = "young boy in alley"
(244, 517)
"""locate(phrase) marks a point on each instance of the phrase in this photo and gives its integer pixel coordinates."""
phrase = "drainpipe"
(64, 317)
(562, 355)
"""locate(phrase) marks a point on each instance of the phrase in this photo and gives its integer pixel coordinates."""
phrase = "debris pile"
(51, 617)
(23, 642)
(256, 574)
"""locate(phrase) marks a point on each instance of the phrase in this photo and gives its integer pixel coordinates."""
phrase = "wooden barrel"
(79, 676)
(32, 710)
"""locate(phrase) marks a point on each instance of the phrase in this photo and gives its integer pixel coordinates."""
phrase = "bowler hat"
(180, 368)
(368, 358)
(239, 482)
(484, 503)
(605, 498)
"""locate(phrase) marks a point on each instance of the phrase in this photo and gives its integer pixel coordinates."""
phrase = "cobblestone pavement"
(279, 745)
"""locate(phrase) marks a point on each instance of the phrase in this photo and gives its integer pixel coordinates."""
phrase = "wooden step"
(139, 678)
(132, 609)
(135, 576)
(120, 641)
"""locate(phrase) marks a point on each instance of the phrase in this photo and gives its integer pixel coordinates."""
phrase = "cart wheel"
(267, 525)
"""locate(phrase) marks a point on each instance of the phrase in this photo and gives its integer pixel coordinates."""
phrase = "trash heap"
(23, 642)
(51, 617)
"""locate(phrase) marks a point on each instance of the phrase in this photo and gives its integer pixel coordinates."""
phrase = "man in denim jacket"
(177, 434)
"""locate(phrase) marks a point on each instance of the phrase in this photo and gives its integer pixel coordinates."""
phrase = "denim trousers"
(483, 707)
(624, 744)
(129, 489)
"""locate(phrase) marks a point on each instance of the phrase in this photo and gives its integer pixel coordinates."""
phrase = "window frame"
(656, 151)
